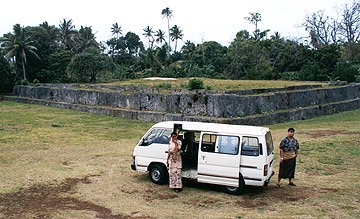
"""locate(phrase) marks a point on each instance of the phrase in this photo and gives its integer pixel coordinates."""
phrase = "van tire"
(158, 174)
(235, 190)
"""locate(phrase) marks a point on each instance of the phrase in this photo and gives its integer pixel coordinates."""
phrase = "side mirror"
(144, 143)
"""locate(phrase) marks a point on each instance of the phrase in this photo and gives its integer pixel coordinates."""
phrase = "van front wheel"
(158, 174)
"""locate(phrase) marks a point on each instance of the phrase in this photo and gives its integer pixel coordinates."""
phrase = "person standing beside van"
(289, 148)
(174, 163)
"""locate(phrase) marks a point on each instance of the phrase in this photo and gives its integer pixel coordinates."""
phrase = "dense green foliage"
(6, 75)
(86, 66)
(61, 54)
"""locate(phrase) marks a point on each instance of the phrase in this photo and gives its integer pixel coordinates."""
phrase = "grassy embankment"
(216, 84)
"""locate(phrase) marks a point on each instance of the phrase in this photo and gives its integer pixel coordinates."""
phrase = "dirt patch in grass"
(203, 202)
(328, 190)
(152, 195)
(43, 201)
(257, 198)
(293, 194)
(251, 204)
(322, 133)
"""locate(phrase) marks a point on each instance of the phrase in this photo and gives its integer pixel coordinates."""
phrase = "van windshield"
(157, 135)
(269, 143)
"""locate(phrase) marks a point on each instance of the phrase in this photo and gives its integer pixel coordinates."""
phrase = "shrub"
(208, 87)
(312, 72)
(195, 84)
(36, 81)
(24, 82)
(357, 80)
(290, 76)
(345, 72)
(165, 86)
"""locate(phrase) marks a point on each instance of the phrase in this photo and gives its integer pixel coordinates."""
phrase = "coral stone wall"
(201, 103)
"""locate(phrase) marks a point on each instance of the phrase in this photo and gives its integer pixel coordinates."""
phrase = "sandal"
(292, 184)
(277, 185)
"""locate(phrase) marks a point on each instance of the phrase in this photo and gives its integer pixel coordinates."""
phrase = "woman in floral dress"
(174, 163)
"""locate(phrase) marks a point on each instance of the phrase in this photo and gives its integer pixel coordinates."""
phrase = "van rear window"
(269, 143)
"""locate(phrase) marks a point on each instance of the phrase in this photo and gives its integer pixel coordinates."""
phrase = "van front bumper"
(133, 166)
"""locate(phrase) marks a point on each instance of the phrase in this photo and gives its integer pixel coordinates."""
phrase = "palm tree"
(17, 44)
(276, 36)
(116, 30)
(148, 33)
(53, 33)
(176, 34)
(86, 39)
(188, 49)
(68, 34)
(168, 14)
(160, 36)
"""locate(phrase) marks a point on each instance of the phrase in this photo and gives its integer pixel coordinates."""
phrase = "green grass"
(71, 164)
(216, 84)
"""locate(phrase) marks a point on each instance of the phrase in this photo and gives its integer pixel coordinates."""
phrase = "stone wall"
(201, 103)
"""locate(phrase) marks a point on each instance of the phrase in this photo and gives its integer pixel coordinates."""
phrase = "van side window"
(220, 144)
(250, 146)
(158, 136)
(208, 143)
(227, 144)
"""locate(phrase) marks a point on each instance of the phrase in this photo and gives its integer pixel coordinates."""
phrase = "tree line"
(63, 54)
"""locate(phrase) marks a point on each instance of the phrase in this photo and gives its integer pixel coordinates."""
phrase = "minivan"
(231, 156)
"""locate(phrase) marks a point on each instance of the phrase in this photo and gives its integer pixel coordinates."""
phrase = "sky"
(199, 20)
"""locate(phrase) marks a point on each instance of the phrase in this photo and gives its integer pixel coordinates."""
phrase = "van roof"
(215, 127)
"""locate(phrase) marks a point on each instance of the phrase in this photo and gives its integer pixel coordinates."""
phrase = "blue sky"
(200, 20)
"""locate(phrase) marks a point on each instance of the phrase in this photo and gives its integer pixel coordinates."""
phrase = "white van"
(229, 155)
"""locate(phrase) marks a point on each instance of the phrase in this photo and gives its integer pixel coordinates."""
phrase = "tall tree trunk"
(23, 68)
(169, 36)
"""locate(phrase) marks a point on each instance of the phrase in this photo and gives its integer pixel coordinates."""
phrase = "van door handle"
(166, 152)
(203, 159)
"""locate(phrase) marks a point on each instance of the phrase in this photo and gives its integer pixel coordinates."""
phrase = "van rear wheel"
(235, 190)
(158, 174)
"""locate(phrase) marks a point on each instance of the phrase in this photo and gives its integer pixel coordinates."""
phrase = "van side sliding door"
(219, 159)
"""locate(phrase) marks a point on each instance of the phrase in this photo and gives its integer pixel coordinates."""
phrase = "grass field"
(216, 84)
(57, 163)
